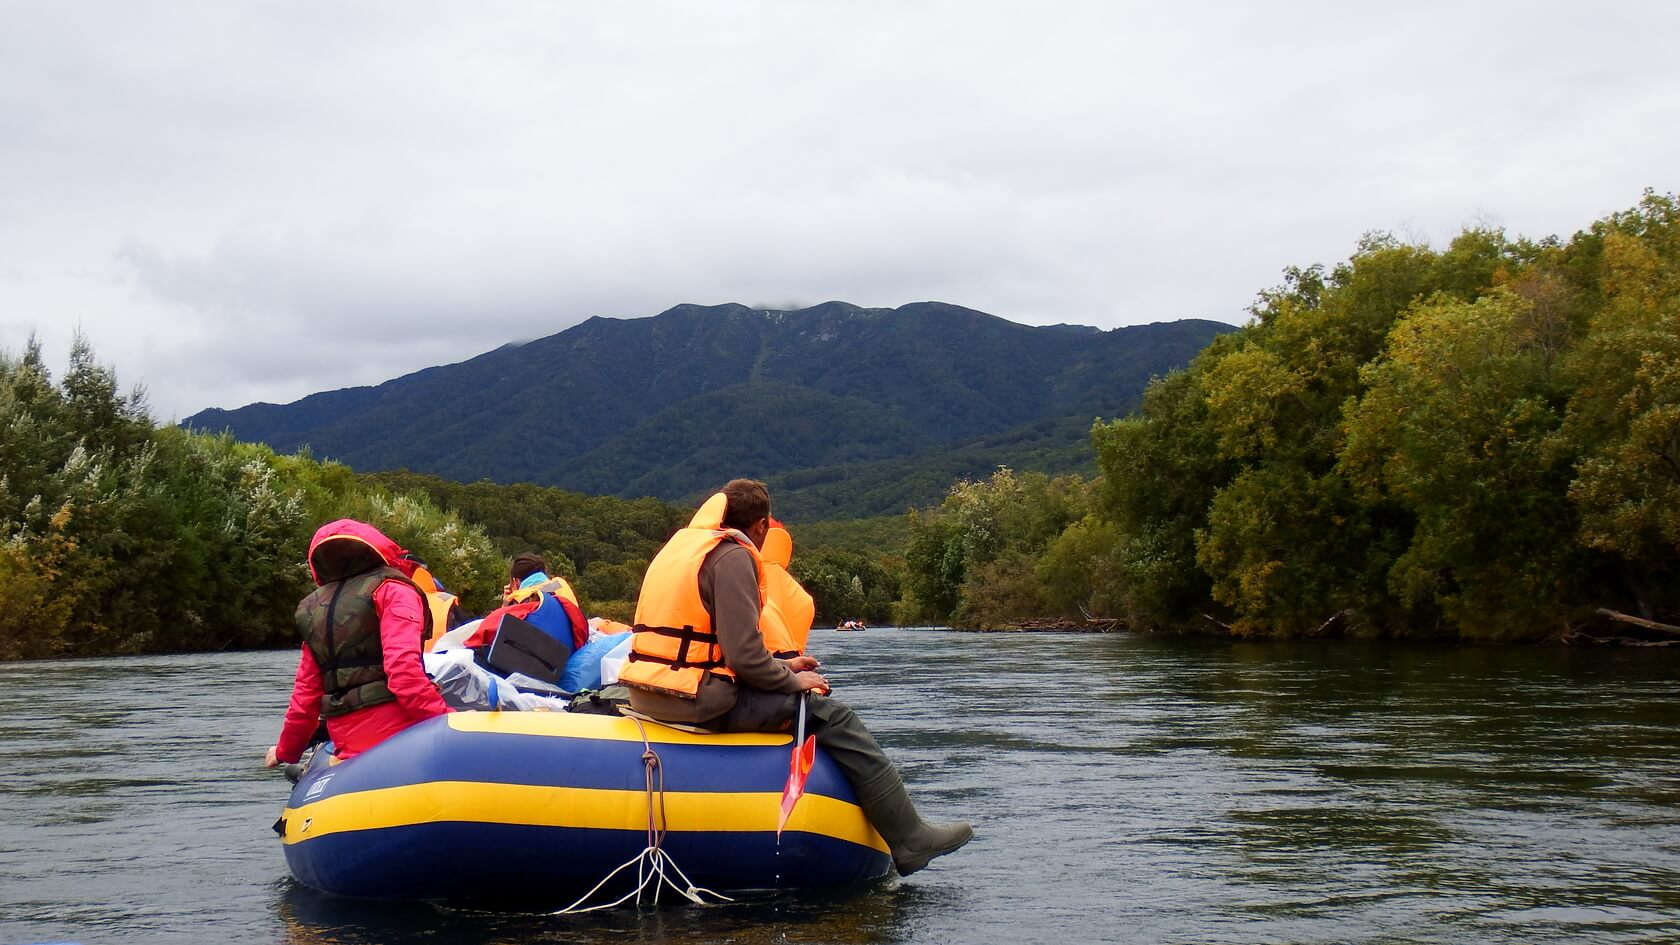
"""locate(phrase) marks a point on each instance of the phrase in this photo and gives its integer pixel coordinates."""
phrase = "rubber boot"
(913, 841)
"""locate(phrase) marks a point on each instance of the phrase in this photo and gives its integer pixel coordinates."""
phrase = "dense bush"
(118, 537)
(975, 559)
(1481, 441)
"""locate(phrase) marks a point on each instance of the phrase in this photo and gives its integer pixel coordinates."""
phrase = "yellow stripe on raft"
(602, 727)
(582, 808)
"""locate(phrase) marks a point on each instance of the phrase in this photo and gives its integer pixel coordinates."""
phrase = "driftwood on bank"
(1639, 621)
(1056, 625)
(1650, 633)
(1576, 638)
(1667, 634)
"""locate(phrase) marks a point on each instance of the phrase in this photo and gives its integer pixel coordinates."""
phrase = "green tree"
(1624, 415)
(1456, 427)
(972, 560)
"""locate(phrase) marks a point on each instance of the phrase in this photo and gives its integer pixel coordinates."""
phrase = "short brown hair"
(749, 501)
(525, 564)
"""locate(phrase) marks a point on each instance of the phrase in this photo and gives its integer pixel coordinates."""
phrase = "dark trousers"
(838, 730)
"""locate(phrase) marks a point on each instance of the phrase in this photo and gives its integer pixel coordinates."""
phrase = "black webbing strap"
(688, 635)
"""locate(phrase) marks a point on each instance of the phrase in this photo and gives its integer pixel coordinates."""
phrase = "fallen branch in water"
(1573, 636)
(1620, 617)
(1577, 637)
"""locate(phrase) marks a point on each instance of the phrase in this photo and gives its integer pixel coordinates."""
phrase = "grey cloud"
(211, 190)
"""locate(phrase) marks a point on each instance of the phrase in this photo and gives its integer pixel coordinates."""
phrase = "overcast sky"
(242, 201)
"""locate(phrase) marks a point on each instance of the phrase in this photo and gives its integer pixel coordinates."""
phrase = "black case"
(520, 647)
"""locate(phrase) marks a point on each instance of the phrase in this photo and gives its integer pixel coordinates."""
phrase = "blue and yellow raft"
(543, 805)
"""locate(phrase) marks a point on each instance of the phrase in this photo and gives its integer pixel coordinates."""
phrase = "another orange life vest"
(444, 607)
(788, 608)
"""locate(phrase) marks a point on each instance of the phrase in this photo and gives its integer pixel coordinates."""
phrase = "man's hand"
(812, 681)
(272, 759)
(800, 664)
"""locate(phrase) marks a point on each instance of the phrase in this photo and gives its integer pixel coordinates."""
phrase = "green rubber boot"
(913, 841)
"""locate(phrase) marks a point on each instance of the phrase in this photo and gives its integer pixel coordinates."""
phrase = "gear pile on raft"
(536, 755)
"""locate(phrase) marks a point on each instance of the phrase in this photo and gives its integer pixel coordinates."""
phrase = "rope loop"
(653, 865)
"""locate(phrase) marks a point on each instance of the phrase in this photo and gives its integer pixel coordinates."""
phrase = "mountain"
(869, 408)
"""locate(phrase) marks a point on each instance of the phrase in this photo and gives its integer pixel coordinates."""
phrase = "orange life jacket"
(788, 609)
(675, 645)
(445, 607)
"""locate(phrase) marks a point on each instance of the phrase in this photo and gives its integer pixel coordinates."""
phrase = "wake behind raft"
(541, 806)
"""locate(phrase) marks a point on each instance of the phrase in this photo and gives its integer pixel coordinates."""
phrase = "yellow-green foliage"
(1479, 441)
(1626, 414)
(118, 537)
(975, 559)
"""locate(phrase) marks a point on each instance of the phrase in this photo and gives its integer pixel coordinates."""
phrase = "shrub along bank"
(1478, 442)
(118, 536)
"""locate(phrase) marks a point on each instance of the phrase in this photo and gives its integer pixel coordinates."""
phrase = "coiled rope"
(653, 865)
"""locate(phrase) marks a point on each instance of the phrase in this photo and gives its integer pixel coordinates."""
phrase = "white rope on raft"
(653, 865)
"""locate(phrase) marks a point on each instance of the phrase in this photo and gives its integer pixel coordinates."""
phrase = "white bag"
(612, 663)
(456, 638)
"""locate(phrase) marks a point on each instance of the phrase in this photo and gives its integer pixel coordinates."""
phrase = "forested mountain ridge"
(636, 407)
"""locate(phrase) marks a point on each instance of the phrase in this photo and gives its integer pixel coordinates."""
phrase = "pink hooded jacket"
(401, 612)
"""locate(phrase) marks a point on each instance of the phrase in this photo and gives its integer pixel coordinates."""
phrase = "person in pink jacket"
(362, 627)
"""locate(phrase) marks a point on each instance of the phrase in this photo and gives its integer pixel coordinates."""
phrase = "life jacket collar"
(778, 545)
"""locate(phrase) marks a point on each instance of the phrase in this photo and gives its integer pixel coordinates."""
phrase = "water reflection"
(1124, 789)
(881, 913)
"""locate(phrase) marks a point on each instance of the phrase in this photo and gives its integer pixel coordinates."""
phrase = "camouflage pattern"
(341, 628)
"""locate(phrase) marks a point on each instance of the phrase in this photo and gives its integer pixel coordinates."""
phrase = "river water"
(1123, 789)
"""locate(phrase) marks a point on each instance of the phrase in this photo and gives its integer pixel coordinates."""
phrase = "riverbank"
(1606, 628)
(1610, 629)
(1053, 625)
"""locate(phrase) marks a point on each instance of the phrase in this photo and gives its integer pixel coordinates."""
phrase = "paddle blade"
(799, 768)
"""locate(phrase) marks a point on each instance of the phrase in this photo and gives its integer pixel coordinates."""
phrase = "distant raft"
(540, 806)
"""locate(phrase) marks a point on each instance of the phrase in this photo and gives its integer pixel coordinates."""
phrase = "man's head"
(525, 564)
(748, 510)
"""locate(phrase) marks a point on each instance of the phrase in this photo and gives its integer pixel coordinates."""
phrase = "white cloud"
(243, 201)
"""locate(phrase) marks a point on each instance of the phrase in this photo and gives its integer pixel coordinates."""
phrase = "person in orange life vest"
(699, 657)
(360, 667)
(788, 610)
(547, 603)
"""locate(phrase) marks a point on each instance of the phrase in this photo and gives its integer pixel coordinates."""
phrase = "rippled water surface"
(1124, 789)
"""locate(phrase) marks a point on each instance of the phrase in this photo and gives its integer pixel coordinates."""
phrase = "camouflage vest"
(341, 629)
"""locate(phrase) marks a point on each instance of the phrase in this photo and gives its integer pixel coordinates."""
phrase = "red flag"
(799, 768)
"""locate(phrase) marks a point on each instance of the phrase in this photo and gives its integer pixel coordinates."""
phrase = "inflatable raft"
(541, 806)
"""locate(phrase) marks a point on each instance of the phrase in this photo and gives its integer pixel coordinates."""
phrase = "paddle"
(799, 768)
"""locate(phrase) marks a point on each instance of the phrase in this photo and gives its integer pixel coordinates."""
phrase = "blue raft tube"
(542, 806)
